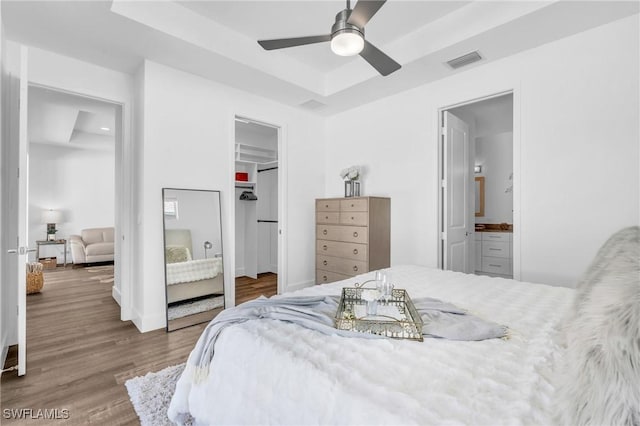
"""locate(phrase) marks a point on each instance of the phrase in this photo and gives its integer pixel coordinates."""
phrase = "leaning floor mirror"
(192, 256)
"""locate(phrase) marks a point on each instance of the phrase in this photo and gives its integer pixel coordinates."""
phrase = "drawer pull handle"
(355, 235)
(353, 205)
(324, 262)
(326, 205)
(324, 232)
(355, 269)
(495, 249)
(355, 251)
(353, 218)
(326, 217)
(495, 266)
(324, 247)
(324, 278)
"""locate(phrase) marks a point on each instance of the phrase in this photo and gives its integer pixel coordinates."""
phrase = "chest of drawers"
(352, 236)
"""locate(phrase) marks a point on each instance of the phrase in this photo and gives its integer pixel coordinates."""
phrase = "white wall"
(188, 143)
(495, 154)
(576, 147)
(77, 182)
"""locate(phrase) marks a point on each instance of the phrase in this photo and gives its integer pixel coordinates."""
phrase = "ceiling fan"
(347, 37)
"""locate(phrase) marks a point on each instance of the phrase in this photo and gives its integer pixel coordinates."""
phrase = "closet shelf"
(255, 154)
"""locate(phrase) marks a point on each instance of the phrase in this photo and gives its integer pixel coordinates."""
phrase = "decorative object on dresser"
(352, 236)
(351, 176)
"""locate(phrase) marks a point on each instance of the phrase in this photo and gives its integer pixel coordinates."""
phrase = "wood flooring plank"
(80, 354)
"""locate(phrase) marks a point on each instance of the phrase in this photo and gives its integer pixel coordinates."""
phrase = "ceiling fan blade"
(364, 11)
(282, 43)
(381, 62)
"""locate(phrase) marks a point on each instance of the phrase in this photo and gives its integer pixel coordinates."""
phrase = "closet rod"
(270, 168)
(267, 221)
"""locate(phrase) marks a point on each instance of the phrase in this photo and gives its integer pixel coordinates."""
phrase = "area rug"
(151, 394)
(192, 308)
(101, 274)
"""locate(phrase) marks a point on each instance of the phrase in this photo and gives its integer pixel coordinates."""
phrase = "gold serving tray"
(396, 317)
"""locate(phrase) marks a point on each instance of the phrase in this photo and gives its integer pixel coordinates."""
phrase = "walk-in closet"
(256, 205)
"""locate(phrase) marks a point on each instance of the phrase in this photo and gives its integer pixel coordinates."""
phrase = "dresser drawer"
(354, 218)
(495, 249)
(350, 234)
(496, 236)
(327, 217)
(338, 249)
(496, 265)
(341, 265)
(324, 277)
(354, 205)
(327, 205)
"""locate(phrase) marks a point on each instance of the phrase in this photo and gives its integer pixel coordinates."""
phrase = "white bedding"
(270, 372)
(193, 270)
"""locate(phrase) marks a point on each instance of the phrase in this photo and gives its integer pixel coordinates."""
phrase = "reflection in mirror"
(193, 256)
(480, 196)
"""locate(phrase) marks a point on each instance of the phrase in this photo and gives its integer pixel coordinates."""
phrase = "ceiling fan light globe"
(347, 43)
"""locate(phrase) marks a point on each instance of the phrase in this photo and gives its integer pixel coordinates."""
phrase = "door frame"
(282, 202)
(517, 173)
(123, 213)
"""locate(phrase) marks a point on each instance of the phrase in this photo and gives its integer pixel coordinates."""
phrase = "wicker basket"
(35, 282)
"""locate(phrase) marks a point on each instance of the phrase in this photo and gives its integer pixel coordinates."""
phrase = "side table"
(48, 243)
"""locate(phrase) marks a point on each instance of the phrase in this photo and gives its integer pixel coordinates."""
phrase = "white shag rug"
(151, 394)
(196, 307)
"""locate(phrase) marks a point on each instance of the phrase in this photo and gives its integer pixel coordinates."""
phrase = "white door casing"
(18, 202)
(458, 188)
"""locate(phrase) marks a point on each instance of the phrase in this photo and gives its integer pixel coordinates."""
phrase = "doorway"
(477, 191)
(257, 200)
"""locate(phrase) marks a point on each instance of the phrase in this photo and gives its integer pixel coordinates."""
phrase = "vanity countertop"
(495, 227)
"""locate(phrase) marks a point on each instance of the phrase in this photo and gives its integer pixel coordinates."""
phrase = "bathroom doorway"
(477, 196)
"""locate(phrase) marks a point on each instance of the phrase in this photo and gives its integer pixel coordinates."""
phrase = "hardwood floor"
(80, 354)
(248, 288)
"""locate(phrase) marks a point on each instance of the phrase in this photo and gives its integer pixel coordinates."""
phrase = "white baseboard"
(240, 272)
(299, 286)
(151, 322)
(3, 352)
(115, 293)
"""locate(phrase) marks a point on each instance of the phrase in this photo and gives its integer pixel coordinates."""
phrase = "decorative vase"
(351, 188)
(348, 188)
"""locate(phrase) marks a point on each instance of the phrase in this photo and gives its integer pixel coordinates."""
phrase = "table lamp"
(50, 217)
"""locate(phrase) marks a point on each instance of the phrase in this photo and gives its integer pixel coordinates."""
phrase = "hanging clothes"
(248, 196)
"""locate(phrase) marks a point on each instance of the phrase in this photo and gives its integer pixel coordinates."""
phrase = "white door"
(18, 209)
(458, 205)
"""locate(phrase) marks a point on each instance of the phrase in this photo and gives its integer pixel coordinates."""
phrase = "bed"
(189, 278)
(273, 372)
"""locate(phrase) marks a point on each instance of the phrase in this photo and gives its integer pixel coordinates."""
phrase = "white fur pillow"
(599, 377)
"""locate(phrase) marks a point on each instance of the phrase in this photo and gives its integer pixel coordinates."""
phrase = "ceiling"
(217, 40)
(70, 121)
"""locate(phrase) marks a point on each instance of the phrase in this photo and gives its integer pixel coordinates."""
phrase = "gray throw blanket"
(441, 320)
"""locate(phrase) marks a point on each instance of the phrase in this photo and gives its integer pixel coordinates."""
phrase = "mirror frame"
(164, 254)
(479, 187)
